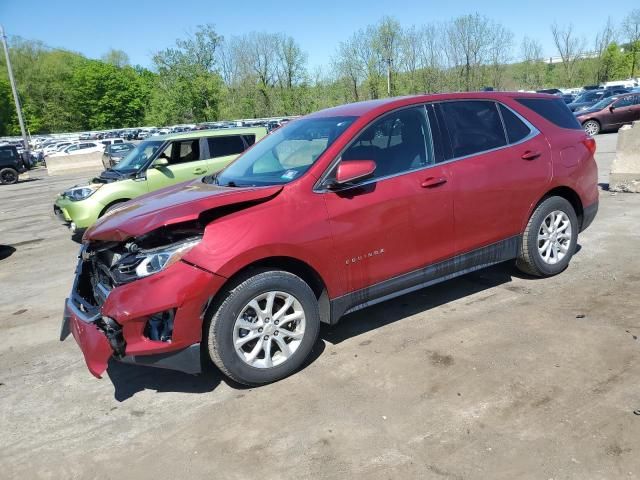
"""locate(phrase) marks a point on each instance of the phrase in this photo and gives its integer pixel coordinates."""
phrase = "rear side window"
(553, 110)
(227, 145)
(250, 139)
(474, 126)
(516, 128)
(7, 153)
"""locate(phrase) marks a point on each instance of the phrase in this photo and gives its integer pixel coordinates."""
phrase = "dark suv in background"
(591, 97)
(11, 164)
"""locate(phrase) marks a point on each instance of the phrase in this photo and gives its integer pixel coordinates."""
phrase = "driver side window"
(182, 152)
(624, 102)
(399, 142)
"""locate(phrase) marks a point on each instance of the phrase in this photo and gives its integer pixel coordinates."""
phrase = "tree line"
(205, 77)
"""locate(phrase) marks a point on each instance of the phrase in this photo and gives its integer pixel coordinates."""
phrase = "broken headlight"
(148, 262)
(82, 192)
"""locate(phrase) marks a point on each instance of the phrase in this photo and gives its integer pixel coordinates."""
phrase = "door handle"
(433, 182)
(199, 171)
(530, 155)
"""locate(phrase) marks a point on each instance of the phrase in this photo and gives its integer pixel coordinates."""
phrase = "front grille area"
(95, 279)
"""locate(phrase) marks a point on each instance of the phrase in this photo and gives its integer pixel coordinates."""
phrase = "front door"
(625, 110)
(392, 223)
(184, 163)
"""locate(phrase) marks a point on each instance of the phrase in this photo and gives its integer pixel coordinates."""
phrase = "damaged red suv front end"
(134, 297)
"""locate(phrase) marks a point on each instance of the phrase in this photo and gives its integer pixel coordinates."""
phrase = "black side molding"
(186, 360)
(439, 272)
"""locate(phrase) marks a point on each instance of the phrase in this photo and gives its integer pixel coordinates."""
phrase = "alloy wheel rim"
(591, 128)
(554, 237)
(269, 329)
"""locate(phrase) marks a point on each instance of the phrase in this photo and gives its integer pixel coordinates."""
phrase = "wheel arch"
(292, 265)
(568, 194)
(111, 204)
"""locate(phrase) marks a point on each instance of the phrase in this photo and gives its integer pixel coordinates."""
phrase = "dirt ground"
(489, 376)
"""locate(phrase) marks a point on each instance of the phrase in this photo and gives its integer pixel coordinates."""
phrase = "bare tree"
(431, 57)
(118, 58)
(631, 32)
(348, 66)
(411, 57)
(532, 65)
(386, 41)
(468, 41)
(570, 47)
(291, 61)
(501, 41)
(603, 39)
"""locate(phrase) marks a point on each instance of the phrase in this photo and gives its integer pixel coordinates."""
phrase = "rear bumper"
(119, 327)
(588, 215)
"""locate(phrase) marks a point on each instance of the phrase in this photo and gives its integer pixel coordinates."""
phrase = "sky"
(142, 27)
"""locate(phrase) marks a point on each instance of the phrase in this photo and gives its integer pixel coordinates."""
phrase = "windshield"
(604, 103)
(120, 147)
(138, 157)
(588, 97)
(284, 155)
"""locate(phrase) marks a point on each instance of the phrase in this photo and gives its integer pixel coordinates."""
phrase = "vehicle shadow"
(6, 251)
(420, 301)
(130, 379)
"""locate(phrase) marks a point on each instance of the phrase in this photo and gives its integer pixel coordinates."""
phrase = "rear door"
(223, 149)
(499, 164)
(185, 163)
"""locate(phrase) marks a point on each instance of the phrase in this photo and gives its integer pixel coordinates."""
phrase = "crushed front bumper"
(117, 327)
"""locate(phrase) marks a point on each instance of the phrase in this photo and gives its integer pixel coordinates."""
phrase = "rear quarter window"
(553, 110)
(516, 128)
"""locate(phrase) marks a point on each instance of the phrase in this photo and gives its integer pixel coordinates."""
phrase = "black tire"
(8, 176)
(220, 322)
(530, 260)
(592, 127)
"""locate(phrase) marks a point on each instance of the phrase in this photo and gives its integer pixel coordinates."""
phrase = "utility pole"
(15, 92)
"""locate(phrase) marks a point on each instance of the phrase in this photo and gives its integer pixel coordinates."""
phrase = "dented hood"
(176, 204)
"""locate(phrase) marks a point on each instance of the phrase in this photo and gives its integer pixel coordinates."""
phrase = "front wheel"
(264, 329)
(591, 127)
(549, 239)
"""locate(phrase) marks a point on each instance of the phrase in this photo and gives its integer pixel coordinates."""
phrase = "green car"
(155, 163)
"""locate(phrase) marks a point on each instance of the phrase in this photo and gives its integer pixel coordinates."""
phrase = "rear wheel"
(591, 127)
(265, 328)
(550, 238)
(8, 176)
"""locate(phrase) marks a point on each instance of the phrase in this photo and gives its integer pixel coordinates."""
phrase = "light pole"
(15, 91)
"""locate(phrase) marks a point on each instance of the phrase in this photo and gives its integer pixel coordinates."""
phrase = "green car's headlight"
(82, 192)
(154, 261)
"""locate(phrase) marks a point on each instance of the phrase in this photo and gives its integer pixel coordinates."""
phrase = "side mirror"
(612, 108)
(352, 170)
(160, 162)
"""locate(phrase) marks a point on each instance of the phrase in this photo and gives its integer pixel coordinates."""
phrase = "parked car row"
(325, 216)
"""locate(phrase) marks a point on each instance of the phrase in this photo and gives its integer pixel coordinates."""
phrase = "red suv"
(331, 213)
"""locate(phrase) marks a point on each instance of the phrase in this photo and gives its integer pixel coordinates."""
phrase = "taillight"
(590, 143)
